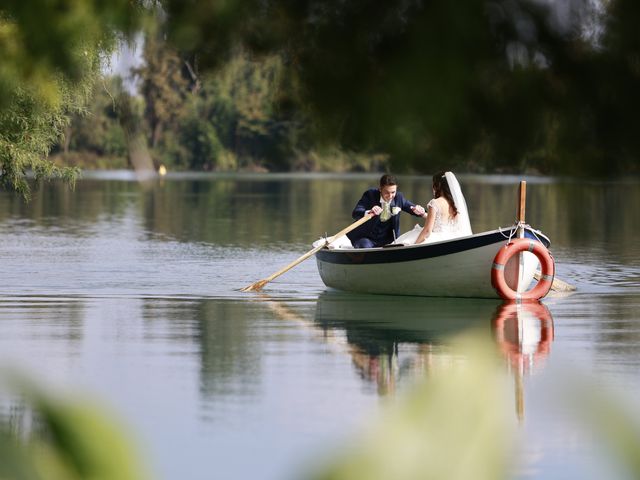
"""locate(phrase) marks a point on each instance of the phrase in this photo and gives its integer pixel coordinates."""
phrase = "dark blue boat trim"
(407, 254)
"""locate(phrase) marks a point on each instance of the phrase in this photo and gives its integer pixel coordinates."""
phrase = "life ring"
(547, 266)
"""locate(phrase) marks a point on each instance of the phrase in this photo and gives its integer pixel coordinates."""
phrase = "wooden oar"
(557, 285)
(257, 286)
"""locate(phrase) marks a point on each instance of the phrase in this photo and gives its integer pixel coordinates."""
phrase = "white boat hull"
(455, 268)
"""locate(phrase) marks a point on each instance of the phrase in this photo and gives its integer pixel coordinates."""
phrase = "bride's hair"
(441, 189)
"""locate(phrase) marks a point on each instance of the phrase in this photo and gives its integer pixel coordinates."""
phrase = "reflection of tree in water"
(229, 348)
(91, 202)
(192, 210)
(221, 334)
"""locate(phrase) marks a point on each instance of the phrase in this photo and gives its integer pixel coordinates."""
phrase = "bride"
(446, 215)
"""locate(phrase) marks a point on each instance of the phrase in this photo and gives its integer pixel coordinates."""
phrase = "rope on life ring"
(547, 266)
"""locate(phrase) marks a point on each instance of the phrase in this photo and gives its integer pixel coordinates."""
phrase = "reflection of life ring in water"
(521, 344)
(509, 250)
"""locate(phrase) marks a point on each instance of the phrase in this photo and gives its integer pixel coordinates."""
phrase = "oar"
(261, 283)
(557, 285)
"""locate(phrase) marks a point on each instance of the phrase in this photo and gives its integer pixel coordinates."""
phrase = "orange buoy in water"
(509, 250)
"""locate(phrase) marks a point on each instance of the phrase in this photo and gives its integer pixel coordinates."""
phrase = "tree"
(50, 60)
(220, 120)
(522, 82)
(163, 85)
(96, 134)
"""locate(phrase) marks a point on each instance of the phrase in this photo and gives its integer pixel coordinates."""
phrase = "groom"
(385, 203)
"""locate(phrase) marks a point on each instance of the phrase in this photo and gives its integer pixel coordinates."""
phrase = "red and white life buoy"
(509, 250)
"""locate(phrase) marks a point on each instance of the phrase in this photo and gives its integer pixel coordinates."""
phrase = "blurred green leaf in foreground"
(69, 439)
(455, 425)
(459, 424)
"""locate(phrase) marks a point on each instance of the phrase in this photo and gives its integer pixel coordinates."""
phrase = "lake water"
(129, 291)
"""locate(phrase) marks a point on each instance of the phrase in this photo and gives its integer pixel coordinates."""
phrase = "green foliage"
(201, 141)
(239, 101)
(163, 86)
(438, 82)
(485, 86)
(41, 40)
(230, 119)
(97, 131)
(28, 128)
(219, 121)
(51, 54)
(330, 158)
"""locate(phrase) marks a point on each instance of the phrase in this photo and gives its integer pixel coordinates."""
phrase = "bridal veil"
(458, 199)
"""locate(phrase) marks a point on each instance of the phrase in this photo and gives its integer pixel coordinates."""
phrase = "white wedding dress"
(443, 228)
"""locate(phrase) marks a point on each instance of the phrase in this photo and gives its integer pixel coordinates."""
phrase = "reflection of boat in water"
(390, 338)
(524, 333)
(367, 319)
(460, 267)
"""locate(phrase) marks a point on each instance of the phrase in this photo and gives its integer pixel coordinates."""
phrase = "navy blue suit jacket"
(380, 232)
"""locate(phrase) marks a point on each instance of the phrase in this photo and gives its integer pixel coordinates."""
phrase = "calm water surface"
(129, 291)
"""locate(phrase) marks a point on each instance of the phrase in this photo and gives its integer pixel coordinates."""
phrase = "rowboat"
(460, 267)
(499, 263)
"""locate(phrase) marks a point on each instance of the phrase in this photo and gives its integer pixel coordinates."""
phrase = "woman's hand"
(419, 210)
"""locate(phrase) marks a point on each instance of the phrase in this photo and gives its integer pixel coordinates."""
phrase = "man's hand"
(418, 210)
(376, 210)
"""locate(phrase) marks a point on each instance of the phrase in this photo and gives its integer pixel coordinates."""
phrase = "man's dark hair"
(386, 180)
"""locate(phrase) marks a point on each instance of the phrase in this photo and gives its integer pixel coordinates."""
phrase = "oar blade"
(254, 287)
(561, 286)
(558, 285)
